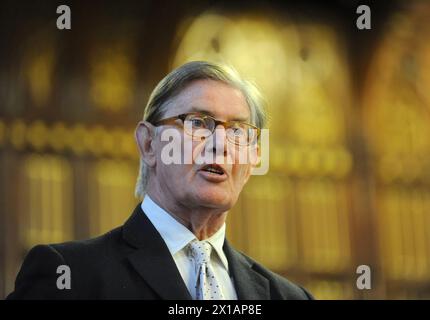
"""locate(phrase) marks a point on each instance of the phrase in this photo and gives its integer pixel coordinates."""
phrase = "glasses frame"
(225, 124)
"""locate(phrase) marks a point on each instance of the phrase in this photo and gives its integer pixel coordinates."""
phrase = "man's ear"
(145, 135)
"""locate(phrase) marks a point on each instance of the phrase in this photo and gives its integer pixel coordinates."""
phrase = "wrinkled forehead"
(218, 99)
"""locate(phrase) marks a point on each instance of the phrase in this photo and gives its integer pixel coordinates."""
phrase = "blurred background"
(349, 179)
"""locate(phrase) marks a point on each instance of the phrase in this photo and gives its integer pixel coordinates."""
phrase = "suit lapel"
(152, 259)
(250, 285)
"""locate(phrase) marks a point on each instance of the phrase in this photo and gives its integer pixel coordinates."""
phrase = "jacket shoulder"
(89, 249)
(37, 278)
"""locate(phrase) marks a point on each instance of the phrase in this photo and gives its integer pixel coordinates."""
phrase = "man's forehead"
(210, 97)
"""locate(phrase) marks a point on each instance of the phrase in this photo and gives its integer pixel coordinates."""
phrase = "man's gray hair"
(177, 80)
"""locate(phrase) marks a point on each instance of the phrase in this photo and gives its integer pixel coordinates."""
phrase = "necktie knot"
(201, 251)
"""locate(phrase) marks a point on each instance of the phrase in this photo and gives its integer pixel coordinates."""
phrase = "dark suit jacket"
(133, 262)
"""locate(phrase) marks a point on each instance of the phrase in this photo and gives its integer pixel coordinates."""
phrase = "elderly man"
(173, 246)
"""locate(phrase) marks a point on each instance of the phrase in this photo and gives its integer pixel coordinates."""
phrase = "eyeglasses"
(200, 126)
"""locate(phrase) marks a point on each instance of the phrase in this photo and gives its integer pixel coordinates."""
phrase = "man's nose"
(219, 146)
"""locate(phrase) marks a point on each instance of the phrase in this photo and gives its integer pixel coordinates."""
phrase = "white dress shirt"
(177, 237)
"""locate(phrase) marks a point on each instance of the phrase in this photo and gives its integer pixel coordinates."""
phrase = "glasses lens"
(199, 126)
(242, 134)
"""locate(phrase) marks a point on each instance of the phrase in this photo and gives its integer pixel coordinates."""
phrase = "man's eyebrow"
(200, 110)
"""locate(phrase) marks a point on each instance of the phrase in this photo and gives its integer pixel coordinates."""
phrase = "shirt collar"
(175, 234)
(217, 242)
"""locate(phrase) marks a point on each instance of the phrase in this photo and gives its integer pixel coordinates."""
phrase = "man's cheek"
(202, 153)
(241, 174)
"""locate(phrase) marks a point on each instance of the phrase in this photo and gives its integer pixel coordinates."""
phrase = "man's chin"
(213, 198)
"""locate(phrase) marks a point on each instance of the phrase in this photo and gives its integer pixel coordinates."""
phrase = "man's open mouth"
(213, 168)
